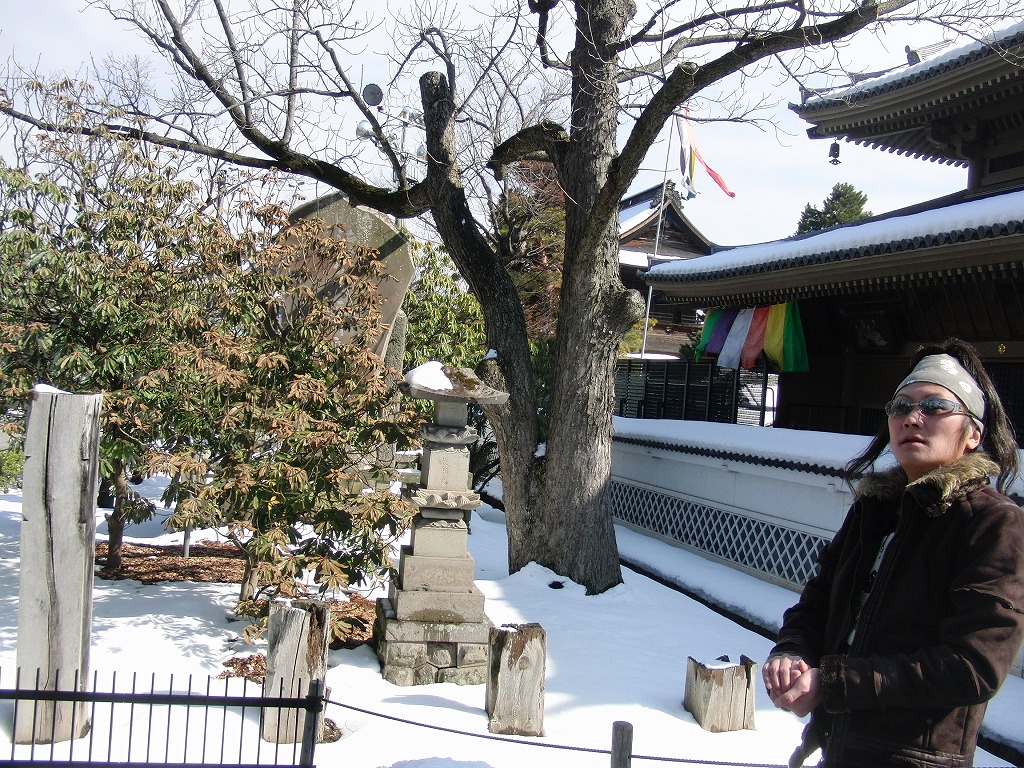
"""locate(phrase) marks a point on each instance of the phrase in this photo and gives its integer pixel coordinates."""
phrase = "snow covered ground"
(618, 656)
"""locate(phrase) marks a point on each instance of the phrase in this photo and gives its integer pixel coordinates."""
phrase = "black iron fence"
(682, 389)
(181, 725)
(128, 721)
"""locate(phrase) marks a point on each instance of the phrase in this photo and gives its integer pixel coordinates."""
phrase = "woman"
(917, 611)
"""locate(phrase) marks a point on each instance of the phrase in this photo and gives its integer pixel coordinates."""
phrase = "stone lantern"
(431, 627)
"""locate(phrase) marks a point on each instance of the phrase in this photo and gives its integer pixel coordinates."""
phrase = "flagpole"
(657, 241)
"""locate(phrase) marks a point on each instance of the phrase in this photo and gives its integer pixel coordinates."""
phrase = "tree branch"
(547, 140)
(690, 78)
(236, 58)
(403, 203)
(543, 10)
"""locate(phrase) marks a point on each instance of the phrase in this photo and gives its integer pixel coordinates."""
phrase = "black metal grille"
(785, 554)
(680, 389)
(127, 721)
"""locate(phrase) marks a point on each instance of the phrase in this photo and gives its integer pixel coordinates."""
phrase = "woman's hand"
(792, 683)
(803, 695)
(780, 671)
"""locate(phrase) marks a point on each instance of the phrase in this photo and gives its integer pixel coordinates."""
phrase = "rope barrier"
(591, 750)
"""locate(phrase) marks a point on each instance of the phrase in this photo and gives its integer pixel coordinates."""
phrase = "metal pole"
(647, 319)
(314, 707)
(657, 241)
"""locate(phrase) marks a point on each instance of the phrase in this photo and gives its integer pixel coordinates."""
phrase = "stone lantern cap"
(445, 383)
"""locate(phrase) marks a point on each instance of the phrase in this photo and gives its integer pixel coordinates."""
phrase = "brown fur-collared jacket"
(940, 627)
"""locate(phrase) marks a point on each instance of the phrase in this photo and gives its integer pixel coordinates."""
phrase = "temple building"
(869, 293)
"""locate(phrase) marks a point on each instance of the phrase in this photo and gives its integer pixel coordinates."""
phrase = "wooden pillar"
(622, 744)
(296, 654)
(58, 535)
(515, 679)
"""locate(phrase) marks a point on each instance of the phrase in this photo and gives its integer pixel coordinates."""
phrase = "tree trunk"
(577, 537)
(117, 517)
(250, 580)
(555, 506)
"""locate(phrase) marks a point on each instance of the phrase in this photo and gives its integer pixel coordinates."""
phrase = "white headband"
(946, 371)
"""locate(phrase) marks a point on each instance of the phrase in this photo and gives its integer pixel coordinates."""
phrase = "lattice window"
(782, 553)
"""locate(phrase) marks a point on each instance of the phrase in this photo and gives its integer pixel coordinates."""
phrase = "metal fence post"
(314, 706)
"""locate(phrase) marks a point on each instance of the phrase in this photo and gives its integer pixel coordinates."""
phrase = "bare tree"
(271, 73)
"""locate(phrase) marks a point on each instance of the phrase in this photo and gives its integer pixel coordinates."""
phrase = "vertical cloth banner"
(688, 153)
(721, 331)
(794, 348)
(738, 337)
(710, 321)
(754, 342)
(687, 160)
(774, 335)
(732, 349)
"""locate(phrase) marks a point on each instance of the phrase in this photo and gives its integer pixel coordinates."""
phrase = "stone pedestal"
(432, 628)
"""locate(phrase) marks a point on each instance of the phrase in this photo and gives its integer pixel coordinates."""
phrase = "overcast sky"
(773, 174)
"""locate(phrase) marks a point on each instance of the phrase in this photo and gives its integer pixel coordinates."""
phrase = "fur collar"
(937, 490)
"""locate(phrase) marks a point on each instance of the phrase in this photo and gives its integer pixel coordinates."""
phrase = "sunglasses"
(930, 406)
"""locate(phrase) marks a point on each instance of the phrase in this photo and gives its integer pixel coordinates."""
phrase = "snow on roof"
(920, 71)
(632, 258)
(998, 212)
(793, 446)
(800, 450)
(635, 215)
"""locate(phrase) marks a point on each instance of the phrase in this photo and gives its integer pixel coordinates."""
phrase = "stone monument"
(431, 627)
(364, 227)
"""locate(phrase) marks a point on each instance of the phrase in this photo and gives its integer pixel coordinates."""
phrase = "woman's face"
(922, 443)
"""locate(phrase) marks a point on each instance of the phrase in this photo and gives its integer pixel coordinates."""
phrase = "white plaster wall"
(799, 500)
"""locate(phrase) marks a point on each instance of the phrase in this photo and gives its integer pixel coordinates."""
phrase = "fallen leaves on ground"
(212, 561)
(208, 561)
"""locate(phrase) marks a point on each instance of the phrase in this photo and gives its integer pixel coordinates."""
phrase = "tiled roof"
(995, 216)
(947, 62)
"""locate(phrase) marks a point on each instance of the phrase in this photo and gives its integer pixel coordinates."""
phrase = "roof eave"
(961, 260)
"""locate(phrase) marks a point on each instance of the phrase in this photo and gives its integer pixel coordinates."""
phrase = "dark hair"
(998, 439)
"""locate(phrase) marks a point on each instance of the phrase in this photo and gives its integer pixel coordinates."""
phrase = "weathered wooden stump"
(58, 535)
(296, 654)
(720, 696)
(515, 679)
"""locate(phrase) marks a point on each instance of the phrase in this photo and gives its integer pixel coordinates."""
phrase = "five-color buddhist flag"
(738, 336)
(689, 155)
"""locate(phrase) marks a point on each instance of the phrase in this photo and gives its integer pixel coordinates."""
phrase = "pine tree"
(843, 205)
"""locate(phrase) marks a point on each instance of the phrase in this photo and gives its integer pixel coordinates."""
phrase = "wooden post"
(296, 656)
(58, 534)
(622, 744)
(721, 696)
(515, 679)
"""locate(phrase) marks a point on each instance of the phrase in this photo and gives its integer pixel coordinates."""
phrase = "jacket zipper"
(867, 611)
